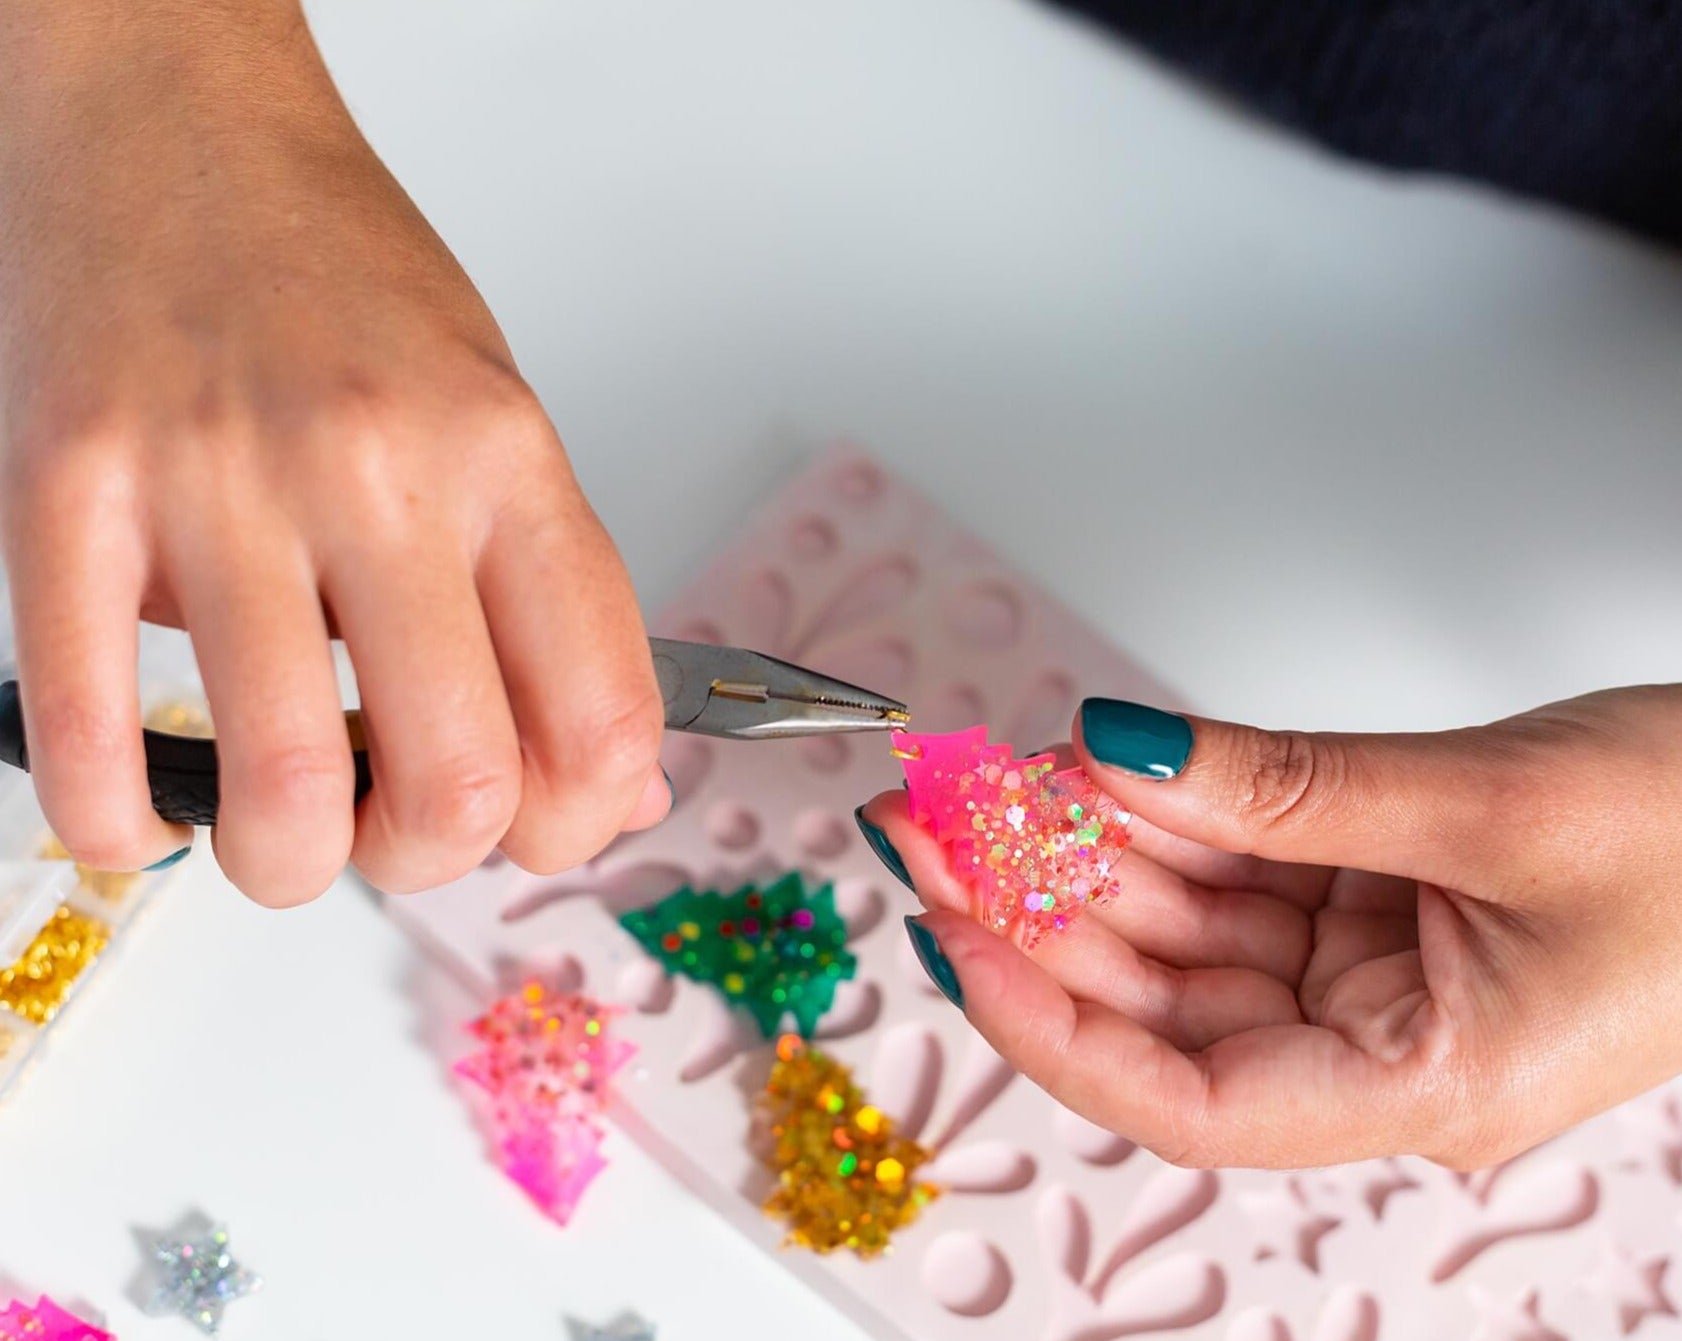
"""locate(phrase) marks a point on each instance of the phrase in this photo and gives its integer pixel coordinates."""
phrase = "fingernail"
(880, 845)
(1129, 736)
(170, 860)
(670, 785)
(935, 964)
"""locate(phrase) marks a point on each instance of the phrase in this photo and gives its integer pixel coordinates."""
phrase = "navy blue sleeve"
(1578, 102)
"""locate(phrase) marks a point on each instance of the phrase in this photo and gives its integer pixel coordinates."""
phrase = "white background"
(1322, 447)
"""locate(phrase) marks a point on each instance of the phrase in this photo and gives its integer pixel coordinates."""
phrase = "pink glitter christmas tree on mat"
(545, 1066)
(45, 1321)
(1035, 845)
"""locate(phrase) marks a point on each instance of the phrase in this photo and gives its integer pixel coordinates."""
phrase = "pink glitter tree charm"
(1035, 845)
(545, 1066)
(45, 1321)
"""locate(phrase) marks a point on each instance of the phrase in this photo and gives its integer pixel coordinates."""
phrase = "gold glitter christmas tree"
(844, 1179)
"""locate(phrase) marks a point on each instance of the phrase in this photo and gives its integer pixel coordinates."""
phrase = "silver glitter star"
(626, 1327)
(198, 1278)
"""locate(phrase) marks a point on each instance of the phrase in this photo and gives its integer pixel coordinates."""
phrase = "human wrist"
(79, 71)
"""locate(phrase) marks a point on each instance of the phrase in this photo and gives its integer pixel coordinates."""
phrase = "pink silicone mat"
(1050, 1229)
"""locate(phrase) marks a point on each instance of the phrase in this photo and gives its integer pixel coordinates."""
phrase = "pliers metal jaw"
(732, 692)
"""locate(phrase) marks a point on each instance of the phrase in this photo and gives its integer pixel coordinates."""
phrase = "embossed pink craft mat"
(1050, 1230)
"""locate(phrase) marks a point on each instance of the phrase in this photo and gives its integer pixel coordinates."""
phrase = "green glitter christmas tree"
(778, 950)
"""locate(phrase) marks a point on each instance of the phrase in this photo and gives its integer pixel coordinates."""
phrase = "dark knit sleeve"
(1574, 101)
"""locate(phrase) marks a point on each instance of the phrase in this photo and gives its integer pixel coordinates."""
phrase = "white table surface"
(1321, 446)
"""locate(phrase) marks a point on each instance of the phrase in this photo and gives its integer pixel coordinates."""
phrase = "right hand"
(246, 390)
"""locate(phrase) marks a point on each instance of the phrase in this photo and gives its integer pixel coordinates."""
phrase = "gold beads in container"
(38, 984)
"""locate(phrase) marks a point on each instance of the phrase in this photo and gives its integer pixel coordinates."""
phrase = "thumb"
(1411, 805)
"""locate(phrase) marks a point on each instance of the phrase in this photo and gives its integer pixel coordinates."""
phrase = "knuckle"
(46, 443)
(619, 735)
(1487, 1137)
(1187, 1139)
(509, 407)
(1185, 1145)
(68, 727)
(1474, 1152)
(1460, 1161)
(1473, 1116)
(73, 748)
(510, 423)
(1186, 1157)
(466, 803)
(297, 778)
(1285, 778)
(70, 482)
(359, 436)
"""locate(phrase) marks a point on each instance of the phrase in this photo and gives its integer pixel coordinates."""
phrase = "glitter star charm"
(45, 1321)
(772, 952)
(198, 1278)
(626, 1327)
(1035, 846)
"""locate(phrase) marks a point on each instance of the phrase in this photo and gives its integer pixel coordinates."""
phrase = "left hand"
(1333, 947)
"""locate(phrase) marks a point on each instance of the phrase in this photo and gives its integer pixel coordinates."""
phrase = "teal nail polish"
(670, 785)
(880, 845)
(935, 964)
(1134, 738)
(170, 860)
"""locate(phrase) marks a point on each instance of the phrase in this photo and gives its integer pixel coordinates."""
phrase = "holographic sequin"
(45, 1321)
(38, 984)
(545, 1066)
(844, 1179)
(107, 886)
(772, 952)
(1035, 846)
(198, 1278)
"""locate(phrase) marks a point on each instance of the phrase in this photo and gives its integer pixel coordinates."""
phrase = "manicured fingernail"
(170, 860)
(935, 964)
(1134, 738)
(670, 785)
(880, 845)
